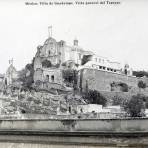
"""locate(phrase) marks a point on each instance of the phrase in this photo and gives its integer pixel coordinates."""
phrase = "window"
(69, 109)
(47, 78)
(52, 78)
(96, 59)
(100, 67)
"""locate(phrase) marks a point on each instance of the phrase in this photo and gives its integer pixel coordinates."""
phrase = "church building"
(53, 56)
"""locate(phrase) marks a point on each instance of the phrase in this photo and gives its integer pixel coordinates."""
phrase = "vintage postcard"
(73, 73)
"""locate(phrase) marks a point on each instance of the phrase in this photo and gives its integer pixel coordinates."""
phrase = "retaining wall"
(101, 80)
(77, 125)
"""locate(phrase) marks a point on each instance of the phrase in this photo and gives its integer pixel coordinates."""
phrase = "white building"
(89, 108)
(102, 63)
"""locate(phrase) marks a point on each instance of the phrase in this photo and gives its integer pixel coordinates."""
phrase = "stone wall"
(77, 125)
(101, 80)
(74, 133)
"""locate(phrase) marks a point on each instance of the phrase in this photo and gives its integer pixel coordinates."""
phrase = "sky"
(119, 32)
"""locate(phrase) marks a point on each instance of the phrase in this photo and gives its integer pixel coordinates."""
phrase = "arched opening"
(46, 64)
(69, 109)
(23, 111)
(47, 78)
(52, 78)
(5, 81)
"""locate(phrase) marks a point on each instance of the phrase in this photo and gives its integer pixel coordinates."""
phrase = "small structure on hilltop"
(11, 73)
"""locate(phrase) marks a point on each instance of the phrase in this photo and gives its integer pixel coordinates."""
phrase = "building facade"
(53, 56)
(11, 75)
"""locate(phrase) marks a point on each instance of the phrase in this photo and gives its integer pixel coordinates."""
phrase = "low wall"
(101, 80)
(78, 125)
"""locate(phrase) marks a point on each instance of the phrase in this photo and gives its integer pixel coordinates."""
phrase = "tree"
(141, 84)
(85, 59)
(123, 86)
(26, 75)
(94, 97)
(117, 100)
(135, 106)
(70, 76)
(140, 73)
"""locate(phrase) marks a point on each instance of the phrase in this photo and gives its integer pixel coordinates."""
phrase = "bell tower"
(75, 42)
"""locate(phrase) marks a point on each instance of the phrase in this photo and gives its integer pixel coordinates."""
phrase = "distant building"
(89, 108)
(102, 63)
(114, 109)
(11, 75)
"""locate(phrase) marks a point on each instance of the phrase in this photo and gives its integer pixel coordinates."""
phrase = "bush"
(117, 100)
(124, 87)
(135, 106)
(141, 84)
(94, 97)
(26, 76)
(70, 76)
(85, 59)
(140, 73)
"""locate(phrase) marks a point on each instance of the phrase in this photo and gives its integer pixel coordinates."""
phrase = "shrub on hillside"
(135, 106)
(26, 76)
(140, 73)
(118, 100)
(124, 87)
(141, 84)
(94, 97)
(70, 77)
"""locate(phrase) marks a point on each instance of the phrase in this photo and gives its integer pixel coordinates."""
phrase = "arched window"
(5, 81)
(47, 78)
(69, 109)
(49, 52)
(52, 78)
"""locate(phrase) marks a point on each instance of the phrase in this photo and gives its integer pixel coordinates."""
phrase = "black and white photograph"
(73, 73)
